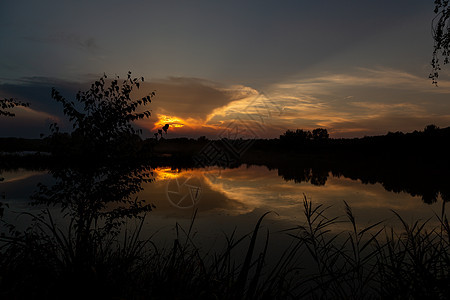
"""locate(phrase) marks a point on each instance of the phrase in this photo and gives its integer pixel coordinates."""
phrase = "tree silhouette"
(320, 134)
(441, 36)
(99, 192)
(301, 136)
(430, 129)
(298, 136)
(102, 118)
(6, 104)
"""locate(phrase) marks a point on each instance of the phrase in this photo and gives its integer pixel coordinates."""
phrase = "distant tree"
(319, 134)
(441, 36)
(395, 134)
(303, 134)
(430, 129)
(7, 104)
(298, 136)
(289, 134)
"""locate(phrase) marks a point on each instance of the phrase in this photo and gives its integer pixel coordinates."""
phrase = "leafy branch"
(7, 104)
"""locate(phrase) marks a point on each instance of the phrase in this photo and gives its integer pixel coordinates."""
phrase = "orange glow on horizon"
(173, 122)
(165, 173)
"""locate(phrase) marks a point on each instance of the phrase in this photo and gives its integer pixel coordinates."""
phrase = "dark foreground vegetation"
(374, 262)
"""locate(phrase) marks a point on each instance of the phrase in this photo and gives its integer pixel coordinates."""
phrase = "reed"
(372, 262)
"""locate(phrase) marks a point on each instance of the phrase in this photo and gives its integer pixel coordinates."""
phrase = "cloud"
(363, 102)
(33, 115)
(28, 122)
(200, 105)
(254, 116)
(367, 78)
(32, 121)
(36, 90)
(68, 39)
(190, 97)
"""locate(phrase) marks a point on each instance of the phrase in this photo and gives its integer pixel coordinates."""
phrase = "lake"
(234, 198)
(203, 226)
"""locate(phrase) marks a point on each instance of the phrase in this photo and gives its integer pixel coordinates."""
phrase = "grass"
(373, 262)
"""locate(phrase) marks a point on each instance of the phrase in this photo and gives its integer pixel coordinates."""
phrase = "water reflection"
(70, 235)
(247, 189)
(429, 182)
(90, 193)
(243, 186)
(177, 192)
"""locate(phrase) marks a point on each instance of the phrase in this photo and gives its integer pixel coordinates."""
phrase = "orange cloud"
(181, 127)
(172, 121)
(195, 107)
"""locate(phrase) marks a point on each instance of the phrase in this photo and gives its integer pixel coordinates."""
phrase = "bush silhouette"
(103, 126)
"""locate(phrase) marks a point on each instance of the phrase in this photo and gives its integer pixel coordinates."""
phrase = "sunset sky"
(357, 67)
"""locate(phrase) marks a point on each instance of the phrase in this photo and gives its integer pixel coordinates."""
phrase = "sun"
(173, 122)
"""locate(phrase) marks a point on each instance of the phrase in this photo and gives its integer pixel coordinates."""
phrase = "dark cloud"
(188, 97)
(43, 110)
(37, 92)
(27, 123)
(68, 39)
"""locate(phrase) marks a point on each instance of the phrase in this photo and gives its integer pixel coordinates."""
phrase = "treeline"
(300, 136)
(12, 144)
(432, 140)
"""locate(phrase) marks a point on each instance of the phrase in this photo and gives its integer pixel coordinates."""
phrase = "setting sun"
(173, 122)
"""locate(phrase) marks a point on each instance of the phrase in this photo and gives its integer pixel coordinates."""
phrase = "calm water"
(226, 199)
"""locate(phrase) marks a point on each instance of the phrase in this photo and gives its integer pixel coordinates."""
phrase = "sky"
(234, 68)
